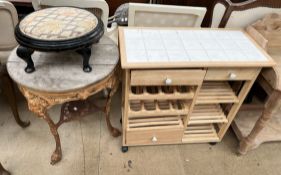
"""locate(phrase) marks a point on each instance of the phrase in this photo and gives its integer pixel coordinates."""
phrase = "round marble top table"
(60, 79)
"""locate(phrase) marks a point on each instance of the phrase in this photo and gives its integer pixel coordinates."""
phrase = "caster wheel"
(124, 149)
(213, 143)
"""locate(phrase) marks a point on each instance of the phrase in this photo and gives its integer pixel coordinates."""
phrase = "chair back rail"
(261, 8)
(155, 15)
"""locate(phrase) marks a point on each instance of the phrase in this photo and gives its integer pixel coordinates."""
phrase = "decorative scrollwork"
(39, 102)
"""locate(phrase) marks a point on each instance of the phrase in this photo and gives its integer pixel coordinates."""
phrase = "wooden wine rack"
(200, 133)
(216, 92)
(202, 114)
(173, 94)
(168, 111)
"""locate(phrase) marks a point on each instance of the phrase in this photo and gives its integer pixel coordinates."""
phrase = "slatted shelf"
(142, 108)
(161, 93)
(152, 122)
(216, 92)
(200, 134)
(207, 113)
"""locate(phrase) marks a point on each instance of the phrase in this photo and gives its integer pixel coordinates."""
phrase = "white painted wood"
(155, 15)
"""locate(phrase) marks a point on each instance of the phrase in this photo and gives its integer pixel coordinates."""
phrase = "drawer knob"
(168, 81)
(154, 139)
(232, 76)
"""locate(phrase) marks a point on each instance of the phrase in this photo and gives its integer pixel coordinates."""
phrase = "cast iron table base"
(3, 171)
(39, 102)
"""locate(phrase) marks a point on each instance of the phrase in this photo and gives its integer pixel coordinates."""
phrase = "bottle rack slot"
(161, 92)
(142, 108)
(216, 92)
(200, 133)
(207, 113)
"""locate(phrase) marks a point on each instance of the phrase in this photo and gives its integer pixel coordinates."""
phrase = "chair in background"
(239, 15)
(3, 171)
(8, 20)
(226, 14)
(154, 15)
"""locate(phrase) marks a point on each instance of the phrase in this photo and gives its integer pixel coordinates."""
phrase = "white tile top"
(150, 45)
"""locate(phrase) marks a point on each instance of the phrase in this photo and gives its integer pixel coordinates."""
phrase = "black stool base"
(25, 54)
(86, 54)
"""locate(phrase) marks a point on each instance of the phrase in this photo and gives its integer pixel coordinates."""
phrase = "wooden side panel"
(235, 108)
(125, 102)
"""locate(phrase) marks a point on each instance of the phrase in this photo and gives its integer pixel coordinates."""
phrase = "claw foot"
(24, 124)
(87, 68)
(115, 132)
(4, 173)
(56, 157)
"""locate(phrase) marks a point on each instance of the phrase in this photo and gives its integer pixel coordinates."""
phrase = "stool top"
(61, 71)
(58, 23)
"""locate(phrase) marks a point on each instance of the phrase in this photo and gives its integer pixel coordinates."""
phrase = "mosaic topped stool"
(61, 81)
(58, 29)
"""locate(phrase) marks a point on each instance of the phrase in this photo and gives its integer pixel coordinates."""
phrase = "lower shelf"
(216, 92)
(200, 134)
(151, 122)
(203, 114)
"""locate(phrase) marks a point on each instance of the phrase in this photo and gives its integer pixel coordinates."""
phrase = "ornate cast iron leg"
(248, 142)
(25, 54)
(39, 105)
(86, 54)
(57, 154)
(3, 171)
(114, 132)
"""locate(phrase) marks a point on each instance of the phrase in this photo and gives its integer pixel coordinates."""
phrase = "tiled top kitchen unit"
(185, 85)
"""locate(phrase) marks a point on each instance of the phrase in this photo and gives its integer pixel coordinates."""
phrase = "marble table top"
(62, 71)
(189, 47)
